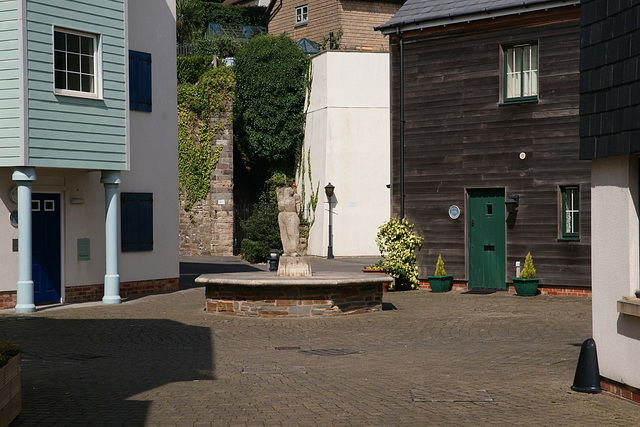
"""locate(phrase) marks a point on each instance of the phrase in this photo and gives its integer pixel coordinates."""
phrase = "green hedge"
(191, 68)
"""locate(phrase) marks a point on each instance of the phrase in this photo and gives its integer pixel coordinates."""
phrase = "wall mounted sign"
(454, 212)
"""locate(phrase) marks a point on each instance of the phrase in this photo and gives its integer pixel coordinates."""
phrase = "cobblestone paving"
(436, 359)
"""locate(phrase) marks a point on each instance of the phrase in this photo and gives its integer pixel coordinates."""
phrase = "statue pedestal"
(295, 266)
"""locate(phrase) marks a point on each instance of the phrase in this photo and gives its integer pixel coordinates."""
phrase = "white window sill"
(629, 306)
(77, 94)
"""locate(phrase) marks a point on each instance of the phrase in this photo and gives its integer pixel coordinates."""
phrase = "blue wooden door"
(45, 210)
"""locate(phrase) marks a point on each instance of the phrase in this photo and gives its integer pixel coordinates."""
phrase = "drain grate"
(433, 396)
(272, 370)
(288, 348)
(331, 352)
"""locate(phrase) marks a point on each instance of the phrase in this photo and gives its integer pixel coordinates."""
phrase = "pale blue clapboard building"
(88, 150)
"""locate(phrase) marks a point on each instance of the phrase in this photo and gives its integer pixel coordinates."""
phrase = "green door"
(486, 218)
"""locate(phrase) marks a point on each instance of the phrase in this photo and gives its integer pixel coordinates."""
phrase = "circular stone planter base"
(267, 295)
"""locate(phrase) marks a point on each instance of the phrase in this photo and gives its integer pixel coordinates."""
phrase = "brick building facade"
(350, 21)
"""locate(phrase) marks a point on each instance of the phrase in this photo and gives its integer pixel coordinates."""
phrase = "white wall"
(154, 141)
(348, 135)
(615, 259)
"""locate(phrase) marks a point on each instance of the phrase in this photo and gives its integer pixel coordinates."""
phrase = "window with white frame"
(75, 63)
(521, 73)
(302, 14)
(570, 211)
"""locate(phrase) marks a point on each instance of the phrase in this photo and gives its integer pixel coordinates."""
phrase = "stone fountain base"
(321, 295)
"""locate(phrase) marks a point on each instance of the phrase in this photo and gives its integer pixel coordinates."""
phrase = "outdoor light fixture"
(512, 202)
(328, 190)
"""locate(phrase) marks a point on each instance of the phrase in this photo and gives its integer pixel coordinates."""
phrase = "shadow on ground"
(98, 372)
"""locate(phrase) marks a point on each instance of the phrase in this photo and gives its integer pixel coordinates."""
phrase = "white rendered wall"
(615, 259)
(154, 141)
(348, 135)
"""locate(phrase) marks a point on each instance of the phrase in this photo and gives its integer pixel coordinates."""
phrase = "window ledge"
(519, 101)
(301, 24)
(629, 306)
(77, 94)
(568, 239)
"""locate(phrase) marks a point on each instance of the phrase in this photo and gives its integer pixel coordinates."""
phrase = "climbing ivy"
(197, 104)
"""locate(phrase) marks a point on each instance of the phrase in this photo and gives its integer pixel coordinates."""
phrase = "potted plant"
(10, 382)
(527, 284)
(397, 244)
(440, 281)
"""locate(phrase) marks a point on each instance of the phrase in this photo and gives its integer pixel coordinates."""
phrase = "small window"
(136, 218)
(570, 212)
(302, 14)
(521, 73)
(75, 63)
(139, 81)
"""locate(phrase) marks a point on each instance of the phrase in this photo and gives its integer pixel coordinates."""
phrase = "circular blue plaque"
(454, 212)
(13, 218)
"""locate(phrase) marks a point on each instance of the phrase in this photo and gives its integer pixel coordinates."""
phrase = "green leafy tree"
(269, 106)
(262, 229)
(189, 20)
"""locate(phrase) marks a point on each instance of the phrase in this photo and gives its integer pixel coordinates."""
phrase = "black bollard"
(587, 379)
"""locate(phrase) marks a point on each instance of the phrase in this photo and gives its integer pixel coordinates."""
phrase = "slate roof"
(418, 11)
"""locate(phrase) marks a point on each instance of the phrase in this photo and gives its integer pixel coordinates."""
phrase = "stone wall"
(208, 229)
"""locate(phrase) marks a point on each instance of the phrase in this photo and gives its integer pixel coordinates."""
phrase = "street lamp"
(328, 190)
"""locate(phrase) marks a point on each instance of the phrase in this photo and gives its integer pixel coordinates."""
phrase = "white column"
(110, 180)
(25, 296)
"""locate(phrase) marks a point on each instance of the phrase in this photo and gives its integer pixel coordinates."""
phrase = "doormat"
(434, 396)
(272, 370)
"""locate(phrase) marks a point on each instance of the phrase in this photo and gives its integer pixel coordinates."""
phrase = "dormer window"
(302, 14)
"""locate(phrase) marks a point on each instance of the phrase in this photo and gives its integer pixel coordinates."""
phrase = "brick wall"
(208, 231)
(84, 293)
(354, 18)
(358, 20)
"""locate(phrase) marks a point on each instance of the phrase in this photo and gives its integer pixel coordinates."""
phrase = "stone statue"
(291, 263)
(289, 220)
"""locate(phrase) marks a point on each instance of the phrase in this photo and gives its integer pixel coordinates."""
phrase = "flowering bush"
(398, 243)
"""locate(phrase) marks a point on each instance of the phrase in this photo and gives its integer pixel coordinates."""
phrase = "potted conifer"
(527, 284)
(440, 281)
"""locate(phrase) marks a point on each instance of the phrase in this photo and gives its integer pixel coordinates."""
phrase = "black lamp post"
(328, 190)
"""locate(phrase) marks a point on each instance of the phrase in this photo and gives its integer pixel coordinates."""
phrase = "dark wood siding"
(458, 136)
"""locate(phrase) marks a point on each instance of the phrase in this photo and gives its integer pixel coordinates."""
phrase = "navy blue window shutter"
(136, 221)
(139, 81)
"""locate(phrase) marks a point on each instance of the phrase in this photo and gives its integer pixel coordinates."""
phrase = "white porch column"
(111, 179)
(25, 296)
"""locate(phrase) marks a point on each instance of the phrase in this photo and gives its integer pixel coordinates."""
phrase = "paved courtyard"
(448, 359)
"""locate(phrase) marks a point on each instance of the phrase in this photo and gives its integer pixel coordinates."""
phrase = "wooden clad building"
(484, 119)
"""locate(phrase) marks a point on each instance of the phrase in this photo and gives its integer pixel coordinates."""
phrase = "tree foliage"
(269, 107)
(225, 14)
(189, 20)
